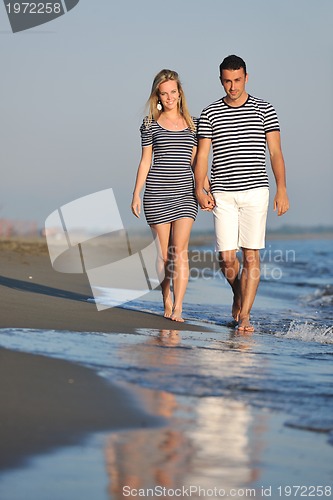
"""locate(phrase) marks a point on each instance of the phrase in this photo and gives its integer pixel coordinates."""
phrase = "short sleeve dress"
(169, 192)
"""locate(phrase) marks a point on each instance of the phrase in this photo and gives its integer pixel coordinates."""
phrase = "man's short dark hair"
(232, 62)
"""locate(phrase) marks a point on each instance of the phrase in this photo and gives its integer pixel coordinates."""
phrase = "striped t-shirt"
(238, 137)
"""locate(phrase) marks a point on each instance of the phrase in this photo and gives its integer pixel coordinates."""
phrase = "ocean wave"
(316, 424)
(322, 297)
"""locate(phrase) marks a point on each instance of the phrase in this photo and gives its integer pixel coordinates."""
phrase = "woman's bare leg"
(181, 230)
(163, 233)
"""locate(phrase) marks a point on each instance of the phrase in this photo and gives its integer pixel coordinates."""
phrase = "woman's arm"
(143, 169)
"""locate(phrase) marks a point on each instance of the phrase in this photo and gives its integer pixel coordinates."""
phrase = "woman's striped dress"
(169, 193)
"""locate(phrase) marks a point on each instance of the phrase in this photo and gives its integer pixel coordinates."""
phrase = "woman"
(168, 136)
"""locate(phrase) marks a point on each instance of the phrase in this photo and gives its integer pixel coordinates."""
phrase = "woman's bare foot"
(177, 315)
(167, 306)
(245, 325)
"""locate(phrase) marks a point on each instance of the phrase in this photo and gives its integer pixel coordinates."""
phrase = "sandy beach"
(33, 295)
(46, 402)
(199, 405)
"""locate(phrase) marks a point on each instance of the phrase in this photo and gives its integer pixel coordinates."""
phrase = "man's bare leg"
(229, 265)
(249, 282)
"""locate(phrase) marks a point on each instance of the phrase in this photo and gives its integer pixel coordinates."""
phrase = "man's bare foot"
(236, 307)
(177, 315)
(167, 307)
(245, 325)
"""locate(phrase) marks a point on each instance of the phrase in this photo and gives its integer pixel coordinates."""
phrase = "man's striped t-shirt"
(238, 137)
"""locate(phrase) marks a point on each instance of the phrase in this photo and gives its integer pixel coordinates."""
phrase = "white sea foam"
(308, 332)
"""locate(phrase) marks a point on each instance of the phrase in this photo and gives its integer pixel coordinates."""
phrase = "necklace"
(175, 124)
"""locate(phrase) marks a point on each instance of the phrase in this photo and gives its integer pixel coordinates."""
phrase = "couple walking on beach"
(174, 145)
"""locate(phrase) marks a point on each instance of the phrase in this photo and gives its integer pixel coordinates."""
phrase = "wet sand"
(47, 403)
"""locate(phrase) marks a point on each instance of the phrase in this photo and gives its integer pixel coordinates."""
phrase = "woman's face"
(169, 95)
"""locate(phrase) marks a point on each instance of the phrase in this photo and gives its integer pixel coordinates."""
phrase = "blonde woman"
(169, 145)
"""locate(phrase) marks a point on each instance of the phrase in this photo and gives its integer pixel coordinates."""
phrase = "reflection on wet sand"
(217, 445)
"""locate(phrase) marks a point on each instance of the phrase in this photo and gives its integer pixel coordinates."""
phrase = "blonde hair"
(163, 76)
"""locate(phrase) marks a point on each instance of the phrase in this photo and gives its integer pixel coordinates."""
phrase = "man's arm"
(200, 174)
(281, 202)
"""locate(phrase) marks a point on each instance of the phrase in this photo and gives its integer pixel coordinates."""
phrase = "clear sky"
(73, 93)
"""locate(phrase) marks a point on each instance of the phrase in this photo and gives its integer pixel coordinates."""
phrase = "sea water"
(221, 389)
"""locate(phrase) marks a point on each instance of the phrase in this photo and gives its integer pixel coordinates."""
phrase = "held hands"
(136, 205)
(205, 200)
(281, 202)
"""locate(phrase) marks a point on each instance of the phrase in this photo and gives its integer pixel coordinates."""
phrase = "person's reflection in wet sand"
(215, 442)
(146, 458)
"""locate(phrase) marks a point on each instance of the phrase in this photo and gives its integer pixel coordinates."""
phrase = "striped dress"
(169, 192)
(238, 137)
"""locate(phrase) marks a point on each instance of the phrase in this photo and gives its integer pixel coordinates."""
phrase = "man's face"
(233, 81)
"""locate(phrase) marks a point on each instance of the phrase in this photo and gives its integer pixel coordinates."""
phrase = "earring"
(159, 106)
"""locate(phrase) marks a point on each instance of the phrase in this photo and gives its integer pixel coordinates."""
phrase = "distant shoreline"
(325, 235)
(37, 245)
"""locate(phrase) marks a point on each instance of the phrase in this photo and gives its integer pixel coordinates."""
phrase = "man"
(238, 127)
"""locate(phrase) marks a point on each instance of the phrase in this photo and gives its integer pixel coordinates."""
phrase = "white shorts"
(240, 219)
